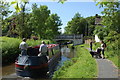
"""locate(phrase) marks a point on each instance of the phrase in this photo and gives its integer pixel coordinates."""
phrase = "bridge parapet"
(77, 39)
(69, 37)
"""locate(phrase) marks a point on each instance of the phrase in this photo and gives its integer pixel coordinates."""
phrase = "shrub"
(101, 32)
(10, 49)
(112, 36)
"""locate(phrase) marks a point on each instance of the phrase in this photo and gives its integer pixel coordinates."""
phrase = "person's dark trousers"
(91, 48)
(23, 52)
(103, 53)
(44, 55)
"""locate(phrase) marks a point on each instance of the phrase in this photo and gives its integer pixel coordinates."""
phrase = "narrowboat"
(34, 66)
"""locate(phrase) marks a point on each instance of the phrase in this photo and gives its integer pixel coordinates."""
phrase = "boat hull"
(37, 66)
(32, 71)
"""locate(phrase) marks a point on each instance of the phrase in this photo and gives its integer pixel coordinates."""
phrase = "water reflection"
(67, 54)
(7, 70)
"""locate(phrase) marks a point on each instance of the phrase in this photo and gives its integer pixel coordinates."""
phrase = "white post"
(97, 39)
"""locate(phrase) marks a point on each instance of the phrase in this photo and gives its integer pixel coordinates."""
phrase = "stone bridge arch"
(77, 39)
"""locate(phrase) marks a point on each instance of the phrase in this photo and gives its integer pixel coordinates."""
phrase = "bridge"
(77, 39)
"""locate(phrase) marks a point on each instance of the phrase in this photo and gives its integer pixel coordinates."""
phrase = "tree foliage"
(101, 32)
(38, 23)
(19, 5)
(80, 25)
(111, 14)
(4, 9)
(77, 25)
(91, 25)
(39, 18)
(110, 18)
(45, 23)
(52, 25)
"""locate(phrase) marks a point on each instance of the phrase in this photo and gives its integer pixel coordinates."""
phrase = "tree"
(110, 18)
(20, 5)
(91, 25)
(111, 15)
(77, 25)
(4, 9)
(20, 8)
(13, 26)
(52, 26)
(26, 30)
(46, 25)
(101, 32)
(39, 17)
(37, 23)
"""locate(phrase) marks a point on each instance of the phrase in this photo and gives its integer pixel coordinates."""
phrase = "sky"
(67, 10)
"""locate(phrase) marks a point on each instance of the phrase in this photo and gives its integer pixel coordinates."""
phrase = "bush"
(10, 49)
(96, 45)
(101, 32)
(112, 40)
(112, 36)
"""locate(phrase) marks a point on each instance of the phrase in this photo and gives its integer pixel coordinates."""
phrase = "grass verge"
(111, 56)
(82, 66)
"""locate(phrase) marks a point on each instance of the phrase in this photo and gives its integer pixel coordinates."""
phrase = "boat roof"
(48, 45)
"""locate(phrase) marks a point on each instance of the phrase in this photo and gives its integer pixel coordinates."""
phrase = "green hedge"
(10, 49)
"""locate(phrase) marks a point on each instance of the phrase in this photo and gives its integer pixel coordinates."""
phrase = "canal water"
(67, 54)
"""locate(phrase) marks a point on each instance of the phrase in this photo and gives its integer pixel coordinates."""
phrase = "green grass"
(114, 58)
(82, 66)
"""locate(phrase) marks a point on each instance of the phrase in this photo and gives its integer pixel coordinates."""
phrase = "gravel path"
(106, 69)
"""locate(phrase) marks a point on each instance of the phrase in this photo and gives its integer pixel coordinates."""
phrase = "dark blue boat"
(34, 66)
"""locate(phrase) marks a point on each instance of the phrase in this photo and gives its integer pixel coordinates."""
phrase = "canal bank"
(81, 66)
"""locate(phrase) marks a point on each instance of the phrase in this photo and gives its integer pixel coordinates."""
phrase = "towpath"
(106, 69)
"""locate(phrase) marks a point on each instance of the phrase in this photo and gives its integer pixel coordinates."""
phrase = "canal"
(67, 54)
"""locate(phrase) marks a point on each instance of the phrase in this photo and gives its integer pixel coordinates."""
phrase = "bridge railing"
(69, 37)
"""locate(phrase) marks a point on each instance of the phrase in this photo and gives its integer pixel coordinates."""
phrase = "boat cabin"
(33, 65)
